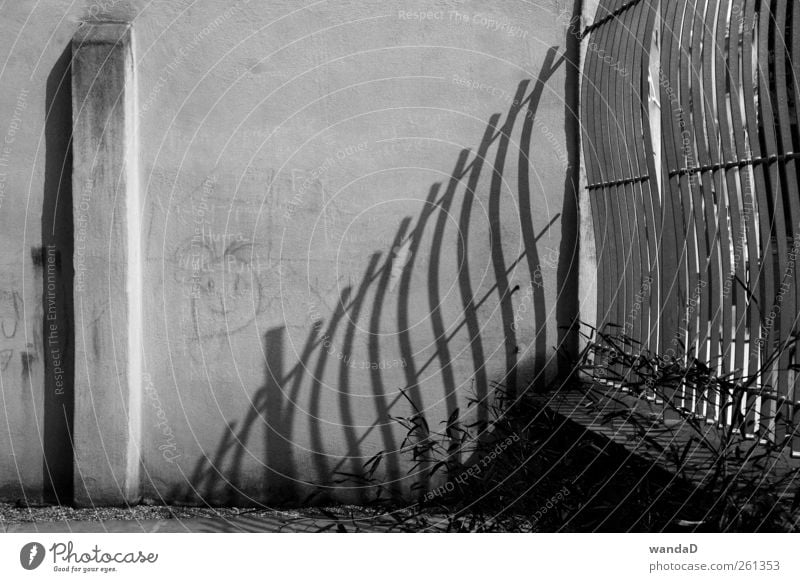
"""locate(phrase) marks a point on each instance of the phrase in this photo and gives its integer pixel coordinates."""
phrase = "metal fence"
(690, 141)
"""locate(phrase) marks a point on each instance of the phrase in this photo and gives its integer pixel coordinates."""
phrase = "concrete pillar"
(107, 263)
(587, 268)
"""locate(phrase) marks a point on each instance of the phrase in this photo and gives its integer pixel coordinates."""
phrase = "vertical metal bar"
(729, 215)
(651, 194)
(788, 176)
(674, 249)
(702, 52)
(689, 196)
(629, 167)
(611, 246)
(775, 220)
(715, 70)
(600, 198)
(744, 202)
(617, 193)
(793, 417)
(763, 285)
(633, 67)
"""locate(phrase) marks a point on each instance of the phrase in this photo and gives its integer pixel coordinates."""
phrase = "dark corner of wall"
(567, 308)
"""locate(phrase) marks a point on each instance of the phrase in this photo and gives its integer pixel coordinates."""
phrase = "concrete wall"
(330, 213)
(35, 226)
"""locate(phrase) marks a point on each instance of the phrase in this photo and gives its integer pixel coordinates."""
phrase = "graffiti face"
(222, 284)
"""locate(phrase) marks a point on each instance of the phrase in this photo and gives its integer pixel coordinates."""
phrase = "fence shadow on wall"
(218, 477)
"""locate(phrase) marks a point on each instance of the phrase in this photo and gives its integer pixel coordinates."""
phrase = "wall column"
(107, 261)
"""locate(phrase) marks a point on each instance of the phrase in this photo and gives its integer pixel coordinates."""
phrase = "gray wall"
(316, 231)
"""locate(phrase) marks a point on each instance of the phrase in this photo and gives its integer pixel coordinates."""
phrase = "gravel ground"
(11, 513)
(342, 518)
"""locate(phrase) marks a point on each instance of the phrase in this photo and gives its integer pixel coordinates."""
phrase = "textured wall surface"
(340, 201)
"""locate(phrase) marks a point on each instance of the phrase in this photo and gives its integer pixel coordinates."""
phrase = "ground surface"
(185, 519)
(166, 519)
